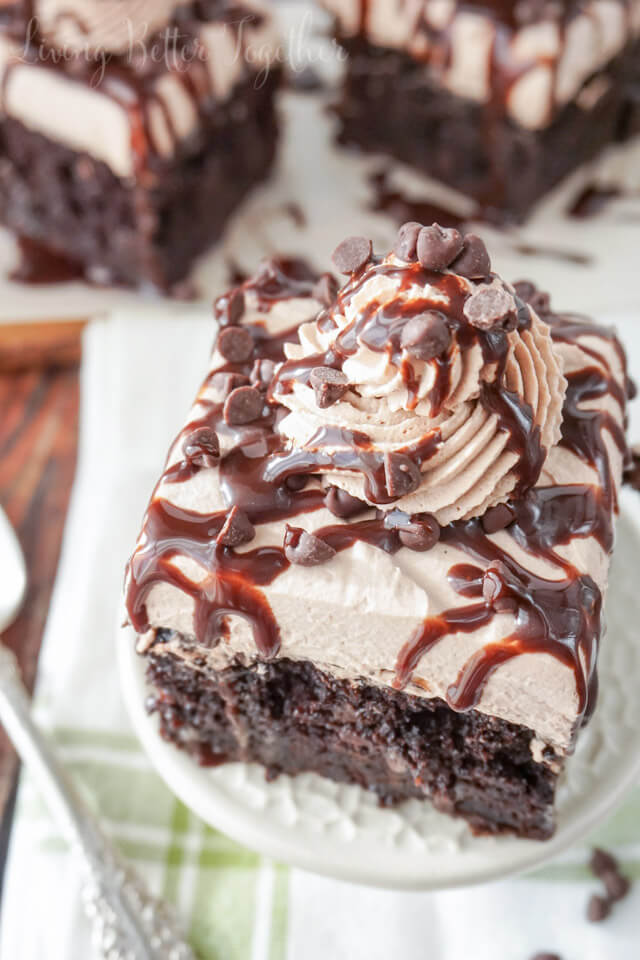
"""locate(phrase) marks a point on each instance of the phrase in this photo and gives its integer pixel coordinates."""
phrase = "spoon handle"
(128, 923)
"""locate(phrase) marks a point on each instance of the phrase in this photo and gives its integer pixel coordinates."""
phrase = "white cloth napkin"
(139, 374)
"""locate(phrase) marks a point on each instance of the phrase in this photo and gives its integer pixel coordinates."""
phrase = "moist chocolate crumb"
(598, 909)
(438, 246)
(426, 336)
(225, 382)
(342, 504)
(202, 447)
(546, 956)
(262, 373)
(498, 518)
(325, 290)
(305, 549)
(352, 254)
(243, 405)
(407, 241)
(237, 529)
(329, 385)
(489, 306)
(474, 262)
(402, 474)
(235, 344)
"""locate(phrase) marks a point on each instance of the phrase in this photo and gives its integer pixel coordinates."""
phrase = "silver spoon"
(128, 923)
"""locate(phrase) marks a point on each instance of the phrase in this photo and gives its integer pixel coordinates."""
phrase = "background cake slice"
(499, 100)
(384, 558)
(130, 131)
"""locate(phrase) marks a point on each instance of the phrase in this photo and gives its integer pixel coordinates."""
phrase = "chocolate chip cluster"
(438, 249)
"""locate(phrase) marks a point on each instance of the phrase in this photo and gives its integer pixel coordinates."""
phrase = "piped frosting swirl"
(457, 381)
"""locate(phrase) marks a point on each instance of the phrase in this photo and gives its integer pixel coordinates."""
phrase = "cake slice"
(379, 546)
(499, 100)
(130, 130)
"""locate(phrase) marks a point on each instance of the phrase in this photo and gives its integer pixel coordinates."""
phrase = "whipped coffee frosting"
(117, 99)
(532, 60)
(291, 521)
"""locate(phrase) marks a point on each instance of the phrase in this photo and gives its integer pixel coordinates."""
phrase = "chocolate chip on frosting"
(419, 533)
(407, 241)
(235, 344)
(537, 299)
(230, 308)
(498, 518)
(438, 246)
(243, 405)
(202, 447)
(402, 474)
(237, 529)
(325, 290)
(473, 263)
(489, 306)
(305, 549)
(352, 254)
(329, 385)
(342, 504)
(426, 336)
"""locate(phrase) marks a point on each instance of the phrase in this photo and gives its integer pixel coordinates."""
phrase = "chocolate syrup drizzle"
(560, 617)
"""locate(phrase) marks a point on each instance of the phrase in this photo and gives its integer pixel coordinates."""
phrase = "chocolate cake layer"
(150, 229)
(390, 105)
(293, 718)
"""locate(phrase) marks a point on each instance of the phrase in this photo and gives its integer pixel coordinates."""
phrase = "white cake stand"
(340, 831)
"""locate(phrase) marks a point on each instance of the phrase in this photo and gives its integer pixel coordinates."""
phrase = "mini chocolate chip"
(602, 862)
(243, 405)
(305, 549)
(229, 308)
(489, 306)
(598, 909)
(407, 241)
(237, 529)
(329, 385)
(473, 263)
(420, 533)
(297, 481)
(352, 254)
(202, 447)
(402, 474)
(438, 246)
(538, 299)
(616, 885)
(498, 518)
(262, 373)
(426, 336)
(225, 382)
(325, 290)
(546, 956)
(342, 504)
(235, 344)
(631, 388)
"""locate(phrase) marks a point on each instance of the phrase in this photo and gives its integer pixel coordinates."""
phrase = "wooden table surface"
(38, 442)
